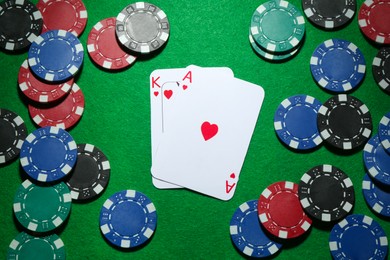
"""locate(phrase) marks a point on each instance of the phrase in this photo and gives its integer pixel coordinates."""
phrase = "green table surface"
(208, 33)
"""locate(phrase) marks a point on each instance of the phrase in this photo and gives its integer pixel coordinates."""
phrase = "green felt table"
(208, 33)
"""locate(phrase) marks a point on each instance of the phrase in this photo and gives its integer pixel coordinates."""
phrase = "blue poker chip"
(128, 219)
(377, 198)
(48, 154)
(56, 55)
(377, 160)
(384, 132)
(247, 234)
(358, 237)
(338, 65)
(295, 122)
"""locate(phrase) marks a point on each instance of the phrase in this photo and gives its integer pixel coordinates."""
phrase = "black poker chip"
(21, 22)
(91, 173)
(381, 69)
(13, 131)
(329, 14)
(326, 193)
(344, 122)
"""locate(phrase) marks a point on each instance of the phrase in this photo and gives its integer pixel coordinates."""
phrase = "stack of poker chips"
(57, 170)
(277, 30)
(373, 21)
(56, 173)
(285, 212)
(343, 122)
(303, 123)
(42, 203)
(53, 97)
(55, 57)
(140, 29)
(376, 158)
(39, 209)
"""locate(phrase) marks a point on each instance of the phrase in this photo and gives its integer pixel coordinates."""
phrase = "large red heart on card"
(208, 130)
(168, 93)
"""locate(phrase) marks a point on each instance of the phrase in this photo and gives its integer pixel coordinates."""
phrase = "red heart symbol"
(232, 175)
(168, 93)
(156, 93)
(185, 87)
(208, 130)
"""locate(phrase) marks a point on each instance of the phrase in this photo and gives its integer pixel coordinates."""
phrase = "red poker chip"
(63, 115)
(280, 211)
(103, 47)
(374, 20)
(68, 15)
(39, 91)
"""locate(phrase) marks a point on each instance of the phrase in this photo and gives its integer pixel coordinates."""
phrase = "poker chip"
(104, 49)
(280, 211)
(377, 198)
(128, 219)
(358, 237)
(48, 154)
(384, 132)
(68, 15)
(91, 173)
(26, 246)
(13, 131)
(271, 56)
(374, 20)
(63, 115)
(295, 122)
(377, 160)
(329, 14)
(344, 122)
(338, 65)
(42, 208)
(142, 27)
(56, 55)
(38, 90)
(247, 233)
(21, 22)
(277, 26)
(381, 69)
(326, 193)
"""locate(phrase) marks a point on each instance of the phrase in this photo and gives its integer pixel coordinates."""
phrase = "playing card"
(157, 80)
(165, 87)
(208, 135)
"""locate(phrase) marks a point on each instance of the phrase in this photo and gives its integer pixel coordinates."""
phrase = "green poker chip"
(271, 56)
(26, 246)
(42, 208)
(277, 26)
